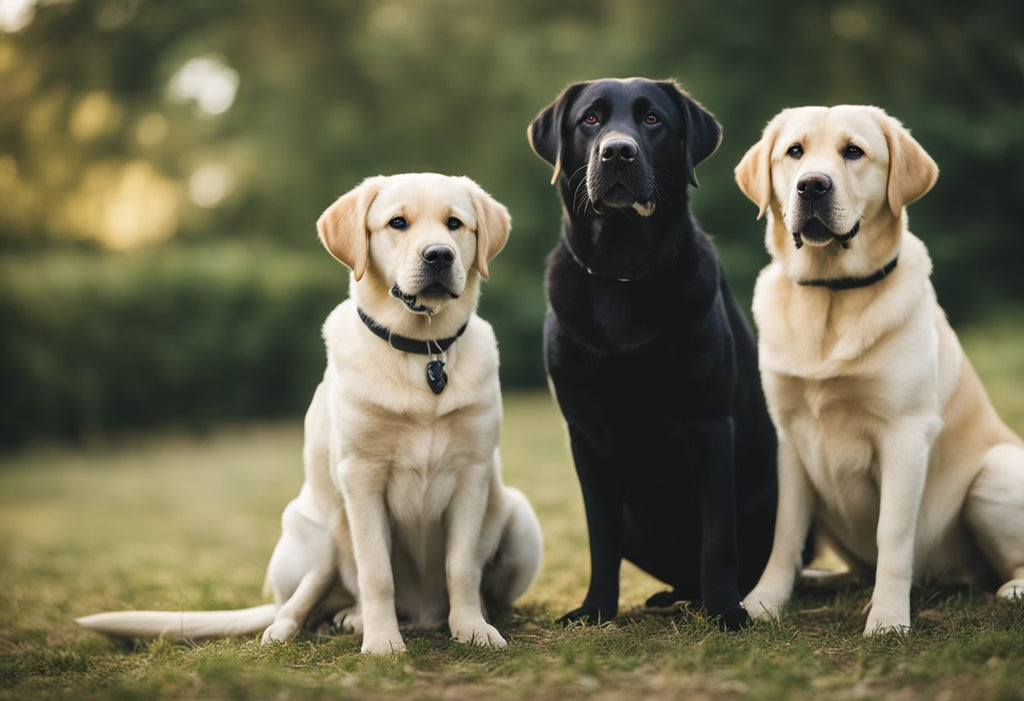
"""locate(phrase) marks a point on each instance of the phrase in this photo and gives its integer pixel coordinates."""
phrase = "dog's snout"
(438, 256)
(813, 186)
(619, 149)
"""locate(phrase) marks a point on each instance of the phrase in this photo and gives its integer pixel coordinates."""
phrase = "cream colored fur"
(403, 520)
(887, 439)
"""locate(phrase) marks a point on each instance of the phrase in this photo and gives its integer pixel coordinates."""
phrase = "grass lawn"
(180, 521)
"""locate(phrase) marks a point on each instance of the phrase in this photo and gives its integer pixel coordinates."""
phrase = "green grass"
(175, 521)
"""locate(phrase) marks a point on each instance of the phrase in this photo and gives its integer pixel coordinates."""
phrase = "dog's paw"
(280, 632)
(880, 629)
(762, 604)
(883, 622)
(666, 601)
(383, 644)
(478, 632)
(733, 618)
(1014, 589)
(349, 620)
(585, 615)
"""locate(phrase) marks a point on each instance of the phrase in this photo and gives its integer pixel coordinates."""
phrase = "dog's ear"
(912, 172)
(493, 224)
(342, 227)
(703, 133)
(754, 171)
(545, 131)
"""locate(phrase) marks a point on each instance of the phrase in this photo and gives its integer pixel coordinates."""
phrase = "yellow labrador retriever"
(887, 439)
(403, 517)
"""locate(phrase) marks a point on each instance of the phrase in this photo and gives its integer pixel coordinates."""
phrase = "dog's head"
(623, 145)
(415, 243)
(835, 179)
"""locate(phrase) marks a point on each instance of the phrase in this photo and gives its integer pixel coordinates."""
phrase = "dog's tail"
(180, 625)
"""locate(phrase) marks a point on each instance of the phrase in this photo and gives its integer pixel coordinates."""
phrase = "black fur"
(653, 363)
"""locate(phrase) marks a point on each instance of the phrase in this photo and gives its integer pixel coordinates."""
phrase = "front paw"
(383, 644)
(880, 628)
(764, 604)
(587, 614)
(476, 632)
(881, 622)
(733, 618)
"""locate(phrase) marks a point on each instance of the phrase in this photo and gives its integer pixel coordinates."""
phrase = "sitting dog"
(887, 440)
(403, 516)
(651, 360)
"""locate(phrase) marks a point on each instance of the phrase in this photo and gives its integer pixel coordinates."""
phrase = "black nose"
(619, 149)
(813, 186)
(438, 256)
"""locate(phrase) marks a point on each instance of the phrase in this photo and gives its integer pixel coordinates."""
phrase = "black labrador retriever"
(652, 361)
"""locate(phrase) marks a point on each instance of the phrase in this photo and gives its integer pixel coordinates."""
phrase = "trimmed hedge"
(92, 343)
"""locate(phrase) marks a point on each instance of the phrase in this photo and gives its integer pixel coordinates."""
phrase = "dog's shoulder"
(473, 362)
(339, 326)
(480, 336)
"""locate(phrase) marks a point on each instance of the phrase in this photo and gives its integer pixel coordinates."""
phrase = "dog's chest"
(835, 442)
(427, 469)
(423, 475)
(391, 429)
(621, 316)
(412, 446)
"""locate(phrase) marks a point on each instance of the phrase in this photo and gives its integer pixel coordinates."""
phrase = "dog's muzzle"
(433, 283)
(814, 189)
(618, 177)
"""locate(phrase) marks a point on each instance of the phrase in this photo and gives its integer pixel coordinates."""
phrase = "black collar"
(611, 276)
(849, 283)
(410, 345)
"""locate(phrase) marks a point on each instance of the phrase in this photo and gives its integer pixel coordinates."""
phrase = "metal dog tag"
(437, 378)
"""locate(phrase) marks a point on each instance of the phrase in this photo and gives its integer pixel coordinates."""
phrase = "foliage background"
(162, 165)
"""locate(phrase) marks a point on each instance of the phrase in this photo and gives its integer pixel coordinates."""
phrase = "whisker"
(580, 197)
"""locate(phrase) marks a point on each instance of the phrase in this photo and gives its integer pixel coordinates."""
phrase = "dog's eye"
(591, 119)
(399, 223)
(852, 153)
(454, 223)
(652, 119)
(795, 151)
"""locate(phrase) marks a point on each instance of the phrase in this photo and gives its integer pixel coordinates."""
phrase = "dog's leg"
(300, 572)
(464, 559)
(994, 513)
(350, 618)
(302, 567)
(517, 559)
(292, 615)
(710, 454)
(363, 489)
(792, 522)
(903, 467)
(604, 510)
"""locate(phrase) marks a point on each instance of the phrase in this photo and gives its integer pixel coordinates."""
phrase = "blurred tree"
(329, 91)
(129, 122)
